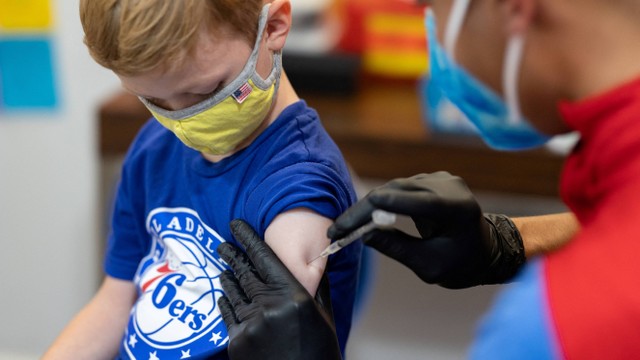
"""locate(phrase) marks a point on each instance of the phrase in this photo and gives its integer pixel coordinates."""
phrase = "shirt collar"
(585, 115)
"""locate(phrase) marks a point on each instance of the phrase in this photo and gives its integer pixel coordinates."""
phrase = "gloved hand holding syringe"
(380, 219)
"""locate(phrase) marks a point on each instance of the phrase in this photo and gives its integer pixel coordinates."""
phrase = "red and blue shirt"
(583, 301)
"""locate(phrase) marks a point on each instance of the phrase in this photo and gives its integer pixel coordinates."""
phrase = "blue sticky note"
(26, 74)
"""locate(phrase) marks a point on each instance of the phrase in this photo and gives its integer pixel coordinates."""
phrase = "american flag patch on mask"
(242, 93)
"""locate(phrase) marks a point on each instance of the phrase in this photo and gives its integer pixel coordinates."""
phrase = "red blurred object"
(355, 13)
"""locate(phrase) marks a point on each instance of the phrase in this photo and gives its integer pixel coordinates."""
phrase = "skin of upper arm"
(96, 331)
(546, 233)
(297, 236)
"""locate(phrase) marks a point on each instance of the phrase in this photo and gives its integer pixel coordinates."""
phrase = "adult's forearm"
(546, 233)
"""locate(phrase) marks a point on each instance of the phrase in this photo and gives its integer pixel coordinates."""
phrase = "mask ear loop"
(454, 25)
(511, 70)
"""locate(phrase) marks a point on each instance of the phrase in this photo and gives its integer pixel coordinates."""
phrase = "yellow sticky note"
(25, 15)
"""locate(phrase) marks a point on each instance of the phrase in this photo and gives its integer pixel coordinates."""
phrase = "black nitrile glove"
(459, 247)
(268, 313)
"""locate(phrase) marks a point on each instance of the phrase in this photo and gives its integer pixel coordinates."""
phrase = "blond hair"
(132, 37)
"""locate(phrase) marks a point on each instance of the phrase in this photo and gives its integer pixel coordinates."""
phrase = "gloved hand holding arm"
(268, 313)
(459, 246)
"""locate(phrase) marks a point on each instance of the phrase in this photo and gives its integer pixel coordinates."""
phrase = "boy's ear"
(278, 24)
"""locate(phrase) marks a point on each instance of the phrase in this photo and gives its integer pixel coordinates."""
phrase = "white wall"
(48, 199)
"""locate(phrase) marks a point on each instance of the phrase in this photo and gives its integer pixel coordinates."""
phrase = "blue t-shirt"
(173, 209)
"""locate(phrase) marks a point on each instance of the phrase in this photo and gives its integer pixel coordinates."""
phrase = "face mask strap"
(511, 70)
(454, 25)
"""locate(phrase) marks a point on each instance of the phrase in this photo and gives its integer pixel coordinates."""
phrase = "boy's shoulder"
(297, 144)
(298, 132)
(297, 110)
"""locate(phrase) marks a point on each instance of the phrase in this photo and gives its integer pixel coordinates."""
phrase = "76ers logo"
(176, 315)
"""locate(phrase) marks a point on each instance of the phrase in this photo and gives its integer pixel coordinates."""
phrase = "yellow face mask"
(217, 125)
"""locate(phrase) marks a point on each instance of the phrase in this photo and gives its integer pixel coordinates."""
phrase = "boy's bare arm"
(546, 233)
(297, 236)
(95, 332)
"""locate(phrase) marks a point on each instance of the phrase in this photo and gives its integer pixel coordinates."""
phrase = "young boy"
(232, 140)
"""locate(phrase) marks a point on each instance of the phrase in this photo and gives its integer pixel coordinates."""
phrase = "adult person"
(563, 65)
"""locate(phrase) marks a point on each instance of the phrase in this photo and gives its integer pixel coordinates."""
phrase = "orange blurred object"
(389, 34)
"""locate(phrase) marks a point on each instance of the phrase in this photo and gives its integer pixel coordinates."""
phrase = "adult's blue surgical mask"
(499, 121)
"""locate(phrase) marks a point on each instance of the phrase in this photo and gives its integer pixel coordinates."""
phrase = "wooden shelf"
(381, 134)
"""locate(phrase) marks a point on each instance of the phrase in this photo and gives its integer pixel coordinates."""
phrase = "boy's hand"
(268, 313)
(458, 246)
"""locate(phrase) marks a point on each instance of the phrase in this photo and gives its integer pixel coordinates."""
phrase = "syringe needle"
(314, 259)
(332, 248)
(379, 219)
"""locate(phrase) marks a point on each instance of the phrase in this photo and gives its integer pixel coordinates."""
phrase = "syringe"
(379, 219)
